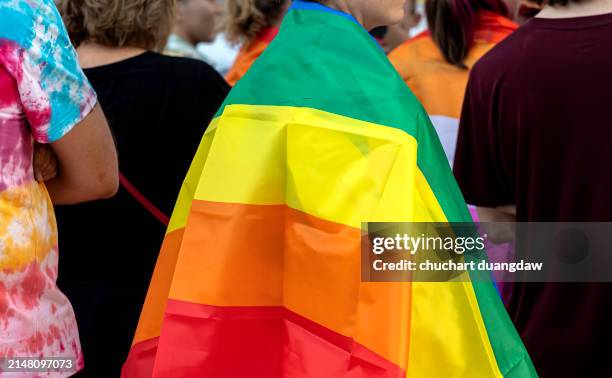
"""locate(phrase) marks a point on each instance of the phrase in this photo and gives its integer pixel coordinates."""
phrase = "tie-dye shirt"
(43, 94)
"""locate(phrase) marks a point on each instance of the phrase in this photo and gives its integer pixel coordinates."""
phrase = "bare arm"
(87, 159)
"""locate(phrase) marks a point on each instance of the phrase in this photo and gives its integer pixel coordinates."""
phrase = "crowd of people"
(105, 103)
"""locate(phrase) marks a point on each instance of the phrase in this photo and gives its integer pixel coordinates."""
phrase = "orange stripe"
(272, 255)
(152, 314)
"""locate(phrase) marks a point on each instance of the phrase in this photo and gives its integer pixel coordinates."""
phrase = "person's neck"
(183, 35)
(579, 9)
(348, 8)
(92, 54)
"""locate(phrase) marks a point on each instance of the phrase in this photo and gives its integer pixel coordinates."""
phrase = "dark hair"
(451, 24)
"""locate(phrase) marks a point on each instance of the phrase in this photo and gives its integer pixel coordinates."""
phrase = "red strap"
(148, 205)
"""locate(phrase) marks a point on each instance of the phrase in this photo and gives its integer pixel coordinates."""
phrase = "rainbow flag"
(259, 273)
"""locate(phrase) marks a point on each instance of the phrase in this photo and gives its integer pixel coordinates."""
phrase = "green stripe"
(329, 63)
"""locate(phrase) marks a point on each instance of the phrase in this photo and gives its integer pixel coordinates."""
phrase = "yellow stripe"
(187, 192)
(312, 161)
(345, 171)
(446, 320)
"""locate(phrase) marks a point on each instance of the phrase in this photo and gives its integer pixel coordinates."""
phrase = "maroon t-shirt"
(536, 131)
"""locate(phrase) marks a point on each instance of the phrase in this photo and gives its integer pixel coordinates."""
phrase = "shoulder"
(500, 66)
(180, 68)
(499, 60)
(18, 19)
(413, 47)
(407, 56)
(37, 27)
(195, 79)
(35, 14)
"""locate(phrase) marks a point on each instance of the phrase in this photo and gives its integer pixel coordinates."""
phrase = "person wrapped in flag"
(259, 273)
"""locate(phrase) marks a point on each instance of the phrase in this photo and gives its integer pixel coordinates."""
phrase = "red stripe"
(148, 205)
(254, 342)
(140, 360)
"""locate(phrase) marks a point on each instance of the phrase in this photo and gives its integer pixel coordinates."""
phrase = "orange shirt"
(439, 85)
(248, 55)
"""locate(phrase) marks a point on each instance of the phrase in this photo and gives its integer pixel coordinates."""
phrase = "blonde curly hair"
(136, 23)
(245, 19)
